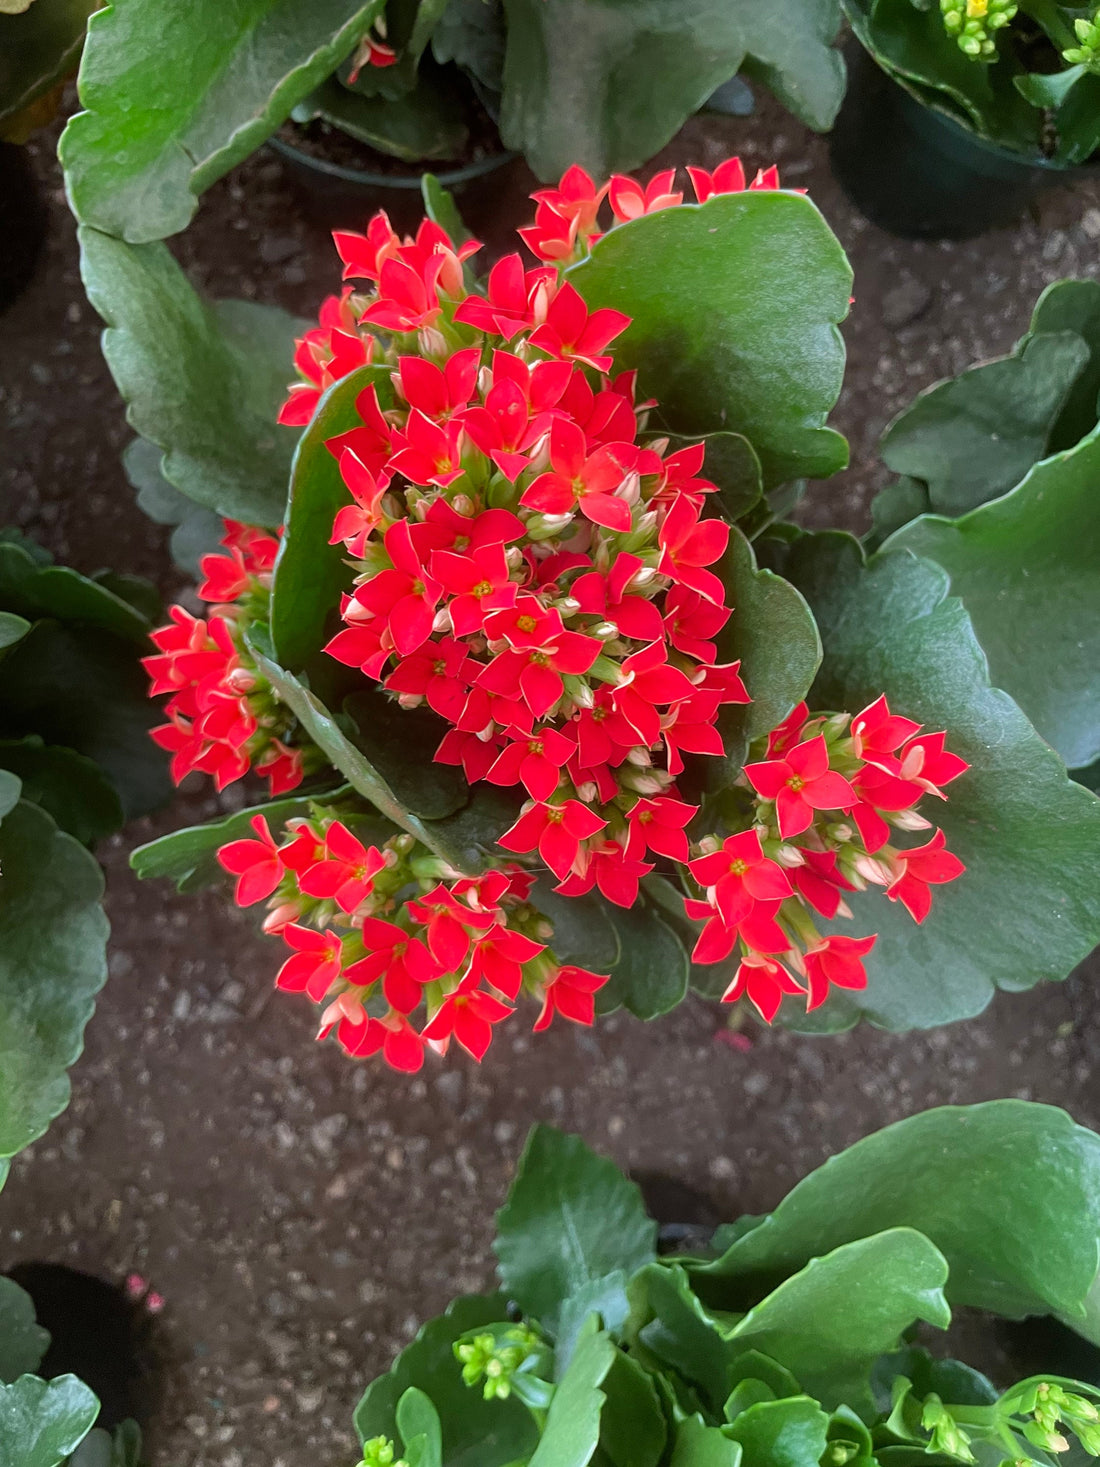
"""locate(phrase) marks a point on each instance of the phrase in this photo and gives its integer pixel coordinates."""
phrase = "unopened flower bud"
(605, 630)
(790, 857)
(649, 782)
(833, 727)
(283, 914)
(909, 820)
(639, 757)
(432, 342)
(873, 871)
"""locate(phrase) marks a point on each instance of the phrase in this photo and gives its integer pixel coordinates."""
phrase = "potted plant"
(962, 111)
(791, 1339)
(379, 87)
(524, 509)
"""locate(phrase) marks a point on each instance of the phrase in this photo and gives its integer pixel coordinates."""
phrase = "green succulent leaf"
(699, 1445)
(196, 530)
(401, 744)
(426, 123)
(971, 438)
(895, 506)
(29, 588)
(788, 1433)
(53, 937)
(889, 626)
(420, 1428)
(42, 1422)
(69, 787)
(471, 34)
(176, 97)
(439, 204)
(651, 975)
(202, 382)
(632, 1425)
(1074, 305)
(732, 463)
(734, 305)
(23, 1342)
(1026, 567)
(571, 1218)
(12, 629)
(584, 931)
(1008, 1191)
(606, 84)
(572, 1430)
(671, 1323)
(38, 49)
(476, 1432)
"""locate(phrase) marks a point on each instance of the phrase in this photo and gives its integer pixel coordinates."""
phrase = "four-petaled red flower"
(921, 867)
(801, 784)
(556, 830)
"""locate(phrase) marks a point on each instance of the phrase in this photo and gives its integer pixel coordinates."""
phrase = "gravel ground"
(298, 1213)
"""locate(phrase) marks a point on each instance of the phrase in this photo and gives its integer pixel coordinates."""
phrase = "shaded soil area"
(300, 1214)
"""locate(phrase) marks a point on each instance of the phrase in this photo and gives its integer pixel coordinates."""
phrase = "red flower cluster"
(223, 719)
(374, 955)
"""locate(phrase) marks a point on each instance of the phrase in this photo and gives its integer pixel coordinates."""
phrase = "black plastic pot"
(341, 197)
(918, 173)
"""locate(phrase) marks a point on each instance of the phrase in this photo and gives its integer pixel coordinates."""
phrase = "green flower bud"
(948, 1436)
(379, 1452)
(973, 24)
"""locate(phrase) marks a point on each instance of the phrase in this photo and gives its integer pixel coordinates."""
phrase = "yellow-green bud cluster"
(496, 1359)
(380, 1452)
(948, 1437)
(975, 23)
(1088, 52)
(1055, 1407)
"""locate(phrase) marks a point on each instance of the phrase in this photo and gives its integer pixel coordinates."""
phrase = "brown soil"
(301, 1214)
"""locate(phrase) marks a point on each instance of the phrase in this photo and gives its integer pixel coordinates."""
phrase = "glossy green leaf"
(439, 205)
(894, 506)
(84, 689)
(69, 787)
(571, 1217)
(420, 1428)
(829, 1322)
(735, 305)
(698, 1445)
(651, 975)
(30, 589)
(1027, 567)
(572, 1428)
(426, 123)
(1074, 305)
(604, 1297)
(38, 49)
(787, 1433)
(12, 629)
(53, 938)
(176, 97)
(23, 1342)
(974, 436)
(120, 1448)
(42, 1422)
(672, 1324)
(401, 744)
(201, 381)
(732, 463)
(476, 1432)
(311, 574)
(188, 856)
(471, 34)
(1028, 906)
(1009, 1192)
(606, 83)
(584, 931)
(10, 790)
(196, 530)
(632, 1425)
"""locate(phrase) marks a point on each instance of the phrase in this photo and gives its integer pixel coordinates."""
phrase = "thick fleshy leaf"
(12, 629)
(53, 937)
(572, 1429)
(607, 84)
(698, 1445)
(632, 1425)
(471, 34)
(787, 1433)
(427, 122)
(1028, 906)
(189, 856)
(176, 97)
(70, 787)
(476, 1432)
(201, 381)
(23, 1342)
(421, 1429)
(32, 589)
(584, 932)
(973, 437)
(571, 1217)
(38, 49)
(439, 205)
(731, 462)
(196, 530)
(735, 305)
(829, 1322)
(311, 574)
(84, 689)
(1019, 1240)
(651, 975)
(401, 744)
(670, 1322)
(1074, 305)
(1027, 567)
(42, 1422)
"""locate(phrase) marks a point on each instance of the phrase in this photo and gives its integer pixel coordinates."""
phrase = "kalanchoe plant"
(75, 761)
(790, 1339)
(1022, 73)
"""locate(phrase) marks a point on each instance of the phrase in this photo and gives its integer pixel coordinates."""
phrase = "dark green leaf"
(651, 976)
(698, 1445)
(420, 1428)
(895, 506)
(1008, 1191)
(1012, 919)
(572, 1428)
(188, 856)
(427, 122)
(789, 1433)
(38, 49)
(10, 790)
(41, 1423)
(84, 689)
(136, 591)
(584, 932)
(311, 574)
(22, 1341)
(606, 84)
(176, 97)
(571, 1217)
(974, 436)
(1027, 568)
(672, 1324)
(632, 1426)
(735, 305)
(70, 787)
(951, 1380)
(731, 462)
(829, 1322)
(409, 28)
(53, 937)
(401, 744)
(30, 589)
(439, 205)
(476, 1432)
(196, 531)
(12, 629)
(1073, 305)
(203, 382)
(471, 34)
(605, 1297)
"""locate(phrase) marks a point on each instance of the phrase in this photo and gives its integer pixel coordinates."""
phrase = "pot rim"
(366, 179)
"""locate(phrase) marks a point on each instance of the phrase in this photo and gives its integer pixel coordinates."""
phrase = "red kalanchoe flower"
(764, 981)
(801, 784)
(923, 866)
(346, 871)
(478, 582)
(756, 928)
(571, 332)
(512, 297)
(447, 921)
(629, 200)
(688, 544)
(876, 733)
(540, 653)
(658, 825)
(556, 830)
(498, 958)
(613, 870)
(256, 863)
(402, 962)
(437, 672)
(579, 480)
(534, 760)
(819, 883)
(469, 1014)
(316, 963)
(646, 682)
(741, 876)
(835, 962)
(608, 596)
(572, 993)
(400, 1045)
